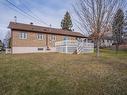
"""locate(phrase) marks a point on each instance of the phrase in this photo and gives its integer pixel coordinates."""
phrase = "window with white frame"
(53, 37)
(23, 35)
(40, 36)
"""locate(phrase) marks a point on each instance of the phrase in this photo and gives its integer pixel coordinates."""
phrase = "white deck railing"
(66, 43)
(87, 48)
(70, 46)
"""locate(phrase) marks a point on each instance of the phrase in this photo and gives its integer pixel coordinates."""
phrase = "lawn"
(61, 74)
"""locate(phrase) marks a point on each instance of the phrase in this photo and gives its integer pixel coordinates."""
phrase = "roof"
(108, 36)
(47, 30)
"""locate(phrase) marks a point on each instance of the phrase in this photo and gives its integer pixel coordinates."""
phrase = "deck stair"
(80, 48)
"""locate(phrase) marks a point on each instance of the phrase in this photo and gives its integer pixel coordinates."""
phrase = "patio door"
(65, 40)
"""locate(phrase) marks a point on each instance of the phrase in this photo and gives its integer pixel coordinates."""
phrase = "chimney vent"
(15, 19)
(31, 23)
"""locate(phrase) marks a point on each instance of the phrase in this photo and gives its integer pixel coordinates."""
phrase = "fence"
(8, 50)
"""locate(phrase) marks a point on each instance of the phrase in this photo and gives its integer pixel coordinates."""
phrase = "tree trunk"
(117, 48)
(98, 48)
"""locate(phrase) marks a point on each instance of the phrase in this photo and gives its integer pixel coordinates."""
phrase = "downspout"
(47, 42)
(11, 41)
(47, 39)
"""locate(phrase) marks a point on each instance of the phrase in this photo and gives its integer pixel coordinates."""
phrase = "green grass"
(61, 74)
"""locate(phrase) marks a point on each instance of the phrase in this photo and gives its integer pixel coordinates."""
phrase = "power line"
(27, 8)
(25, 12)
(15, 10)
(21, 10)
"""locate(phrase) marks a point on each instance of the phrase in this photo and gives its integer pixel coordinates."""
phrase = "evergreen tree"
(125, 23)
(66, 23)
(117, 28)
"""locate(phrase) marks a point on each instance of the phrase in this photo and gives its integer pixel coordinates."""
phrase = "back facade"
(28, 38)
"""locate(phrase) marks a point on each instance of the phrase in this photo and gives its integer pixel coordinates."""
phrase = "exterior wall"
(31, 41)
(58, 38)
(32, 44)
(106, 43)
(17, 50)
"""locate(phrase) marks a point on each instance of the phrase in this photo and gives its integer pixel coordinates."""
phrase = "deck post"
(66, 49)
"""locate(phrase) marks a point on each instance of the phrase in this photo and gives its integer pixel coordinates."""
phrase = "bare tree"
(8, 39)
(96, 16)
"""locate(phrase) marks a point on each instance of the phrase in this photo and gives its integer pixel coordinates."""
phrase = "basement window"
(40, 49)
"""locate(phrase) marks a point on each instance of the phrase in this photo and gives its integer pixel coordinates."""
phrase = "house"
(123, 46)
(1, 45)
(124, 37)
(29, 38)
(107, 40)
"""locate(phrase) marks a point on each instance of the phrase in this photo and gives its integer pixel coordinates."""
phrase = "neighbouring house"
(29, 38)
(125, 37)
(123, 46)
(107, 40)
(1, 45)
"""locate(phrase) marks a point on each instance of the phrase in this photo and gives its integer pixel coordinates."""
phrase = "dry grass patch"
(61, 74)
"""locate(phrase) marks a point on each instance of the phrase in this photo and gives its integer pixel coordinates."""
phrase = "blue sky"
(50, 11)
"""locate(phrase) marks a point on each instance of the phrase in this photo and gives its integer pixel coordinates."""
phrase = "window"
(40, 36)
(66, 38)
(53, 37)
(23, 35)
